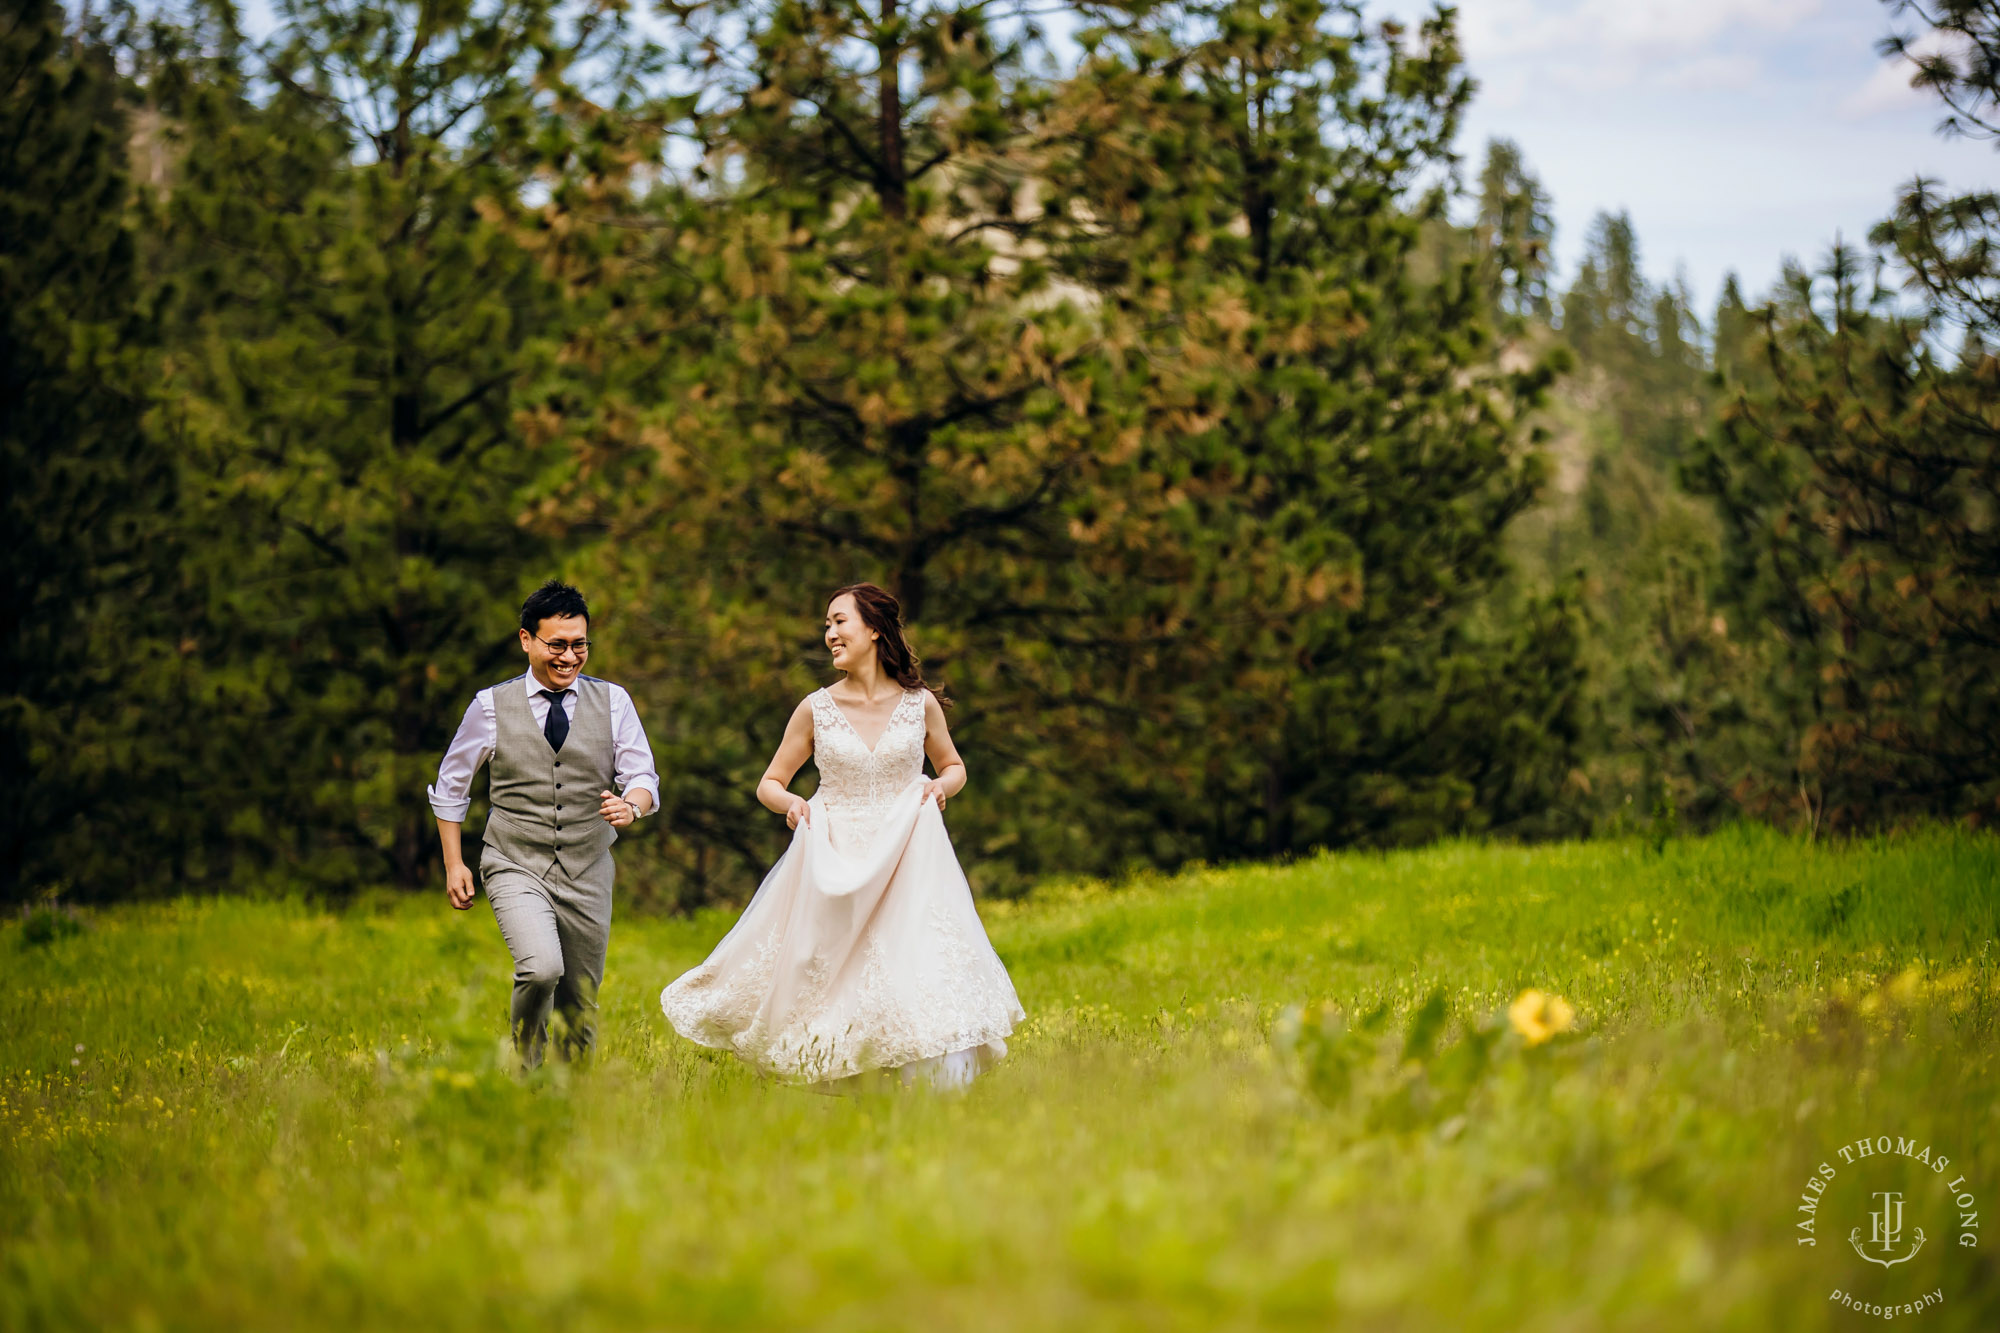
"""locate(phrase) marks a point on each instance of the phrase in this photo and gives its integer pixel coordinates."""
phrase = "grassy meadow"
(1268, 1097)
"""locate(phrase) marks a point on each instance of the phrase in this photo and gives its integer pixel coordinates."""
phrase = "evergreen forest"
(1252, 479)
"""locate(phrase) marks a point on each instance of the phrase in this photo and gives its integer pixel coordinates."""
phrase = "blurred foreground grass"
(260, 1115)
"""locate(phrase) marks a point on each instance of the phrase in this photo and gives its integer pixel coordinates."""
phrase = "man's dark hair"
(554, 598)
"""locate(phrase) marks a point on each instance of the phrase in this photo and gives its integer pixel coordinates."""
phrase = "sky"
(1735, 132)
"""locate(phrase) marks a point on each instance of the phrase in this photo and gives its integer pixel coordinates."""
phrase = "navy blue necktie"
(557, 727)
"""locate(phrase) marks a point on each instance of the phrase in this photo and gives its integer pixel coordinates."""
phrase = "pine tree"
(1605, 312)
(361, 343)
(1734, 331)
(1349, 460)
(862, 343)
(1514, 232)
(1857, 469)
(1855, 489)
(1963, 69)
(88, 496)
(1640, 345)
(1857, 474)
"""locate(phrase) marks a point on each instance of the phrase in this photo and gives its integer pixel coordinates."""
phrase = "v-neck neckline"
(856, 731)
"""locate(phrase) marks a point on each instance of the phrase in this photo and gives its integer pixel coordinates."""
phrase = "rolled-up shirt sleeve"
(478, 735)
(632, 758)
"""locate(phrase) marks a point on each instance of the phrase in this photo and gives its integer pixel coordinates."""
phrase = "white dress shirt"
(479, 733)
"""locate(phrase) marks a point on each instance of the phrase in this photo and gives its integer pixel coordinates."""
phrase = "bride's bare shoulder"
(933, 711)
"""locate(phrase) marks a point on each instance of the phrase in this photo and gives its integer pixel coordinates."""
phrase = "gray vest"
(544, 804)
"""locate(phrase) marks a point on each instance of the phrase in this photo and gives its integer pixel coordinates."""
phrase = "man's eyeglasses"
(563, 647)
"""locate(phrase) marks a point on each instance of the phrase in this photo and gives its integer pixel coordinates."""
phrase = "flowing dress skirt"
(861, 950)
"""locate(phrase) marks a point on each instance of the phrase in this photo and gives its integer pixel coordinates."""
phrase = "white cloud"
(1510, 29)
(1887, 89)
(1525, 49)
(1711, 73)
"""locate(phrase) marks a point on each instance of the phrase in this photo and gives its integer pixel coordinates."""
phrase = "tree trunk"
(911, 585)
(894, 188)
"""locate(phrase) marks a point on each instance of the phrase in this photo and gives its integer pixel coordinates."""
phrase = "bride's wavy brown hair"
(881, 612)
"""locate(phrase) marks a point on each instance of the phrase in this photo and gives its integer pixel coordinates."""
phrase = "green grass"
(228, 1114)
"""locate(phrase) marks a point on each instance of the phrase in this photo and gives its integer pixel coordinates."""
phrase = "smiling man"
(571, 767)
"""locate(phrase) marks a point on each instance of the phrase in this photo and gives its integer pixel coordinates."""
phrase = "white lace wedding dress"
(861, 949)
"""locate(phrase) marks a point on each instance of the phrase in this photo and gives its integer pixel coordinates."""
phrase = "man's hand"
(458, 885)
(617, 811)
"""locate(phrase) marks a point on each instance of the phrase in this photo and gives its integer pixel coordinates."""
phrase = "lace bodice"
(858, 784)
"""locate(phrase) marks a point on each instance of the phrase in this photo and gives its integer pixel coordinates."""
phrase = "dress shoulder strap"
(820, 702)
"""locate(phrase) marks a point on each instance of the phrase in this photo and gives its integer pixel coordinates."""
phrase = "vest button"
(559, 786)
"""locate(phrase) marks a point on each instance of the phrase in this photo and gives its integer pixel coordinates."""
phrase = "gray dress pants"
(556, 926)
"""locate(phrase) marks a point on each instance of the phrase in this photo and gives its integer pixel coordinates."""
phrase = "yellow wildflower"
(1537, 1017)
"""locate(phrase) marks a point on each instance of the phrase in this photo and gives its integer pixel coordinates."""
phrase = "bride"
(861, 949)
